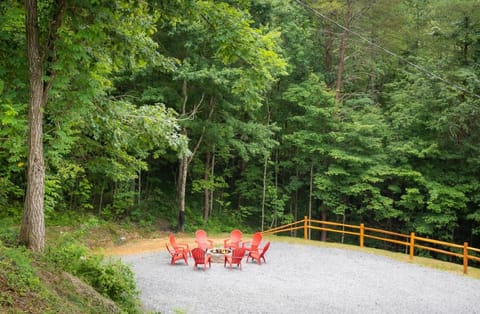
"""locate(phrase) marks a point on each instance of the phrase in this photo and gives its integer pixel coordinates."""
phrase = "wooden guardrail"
(410, 241)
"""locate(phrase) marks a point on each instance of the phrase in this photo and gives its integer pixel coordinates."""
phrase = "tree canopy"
(249, 114)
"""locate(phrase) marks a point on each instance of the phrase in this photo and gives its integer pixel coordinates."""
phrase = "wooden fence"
(410, 241)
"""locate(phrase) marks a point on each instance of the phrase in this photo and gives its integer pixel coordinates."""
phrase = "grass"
(45, 283)
(30, 285)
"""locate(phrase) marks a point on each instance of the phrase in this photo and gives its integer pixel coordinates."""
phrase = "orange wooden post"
(305, 228)
(465, 257)
(412, 244)
(362, 232)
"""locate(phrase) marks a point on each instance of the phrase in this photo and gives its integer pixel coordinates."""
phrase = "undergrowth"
(66, 278)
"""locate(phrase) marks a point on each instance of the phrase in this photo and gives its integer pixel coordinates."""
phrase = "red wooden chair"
(178, 245)
(202, 241)
(260, 254)
(234, 241)
(177, 255)
(235, 258)
(252, 246)
(201, 258)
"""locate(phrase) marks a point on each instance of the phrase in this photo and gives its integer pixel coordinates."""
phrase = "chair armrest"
(184, 244)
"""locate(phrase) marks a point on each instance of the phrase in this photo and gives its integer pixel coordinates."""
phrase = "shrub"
(110, 278)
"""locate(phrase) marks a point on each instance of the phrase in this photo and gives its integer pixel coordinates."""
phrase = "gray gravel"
(302, 279)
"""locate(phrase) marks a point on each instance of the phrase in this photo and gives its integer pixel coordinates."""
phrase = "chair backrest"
(256, 240)
(201, 235)
(236, 236)
(238, 254)
(198, 255)
(171, 238)
(265, 249)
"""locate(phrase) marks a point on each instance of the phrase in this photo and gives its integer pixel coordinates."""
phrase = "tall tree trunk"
(323, 213)
(185, 160)
(310, 194)
(139, 191)
(213, 178)
(183, 168)
(264, 191)
(341, 63)
(343, 47)
(265, 168)
(206, 190)
(182, 183)
(32, 231)
(328, 52)
(295, 206)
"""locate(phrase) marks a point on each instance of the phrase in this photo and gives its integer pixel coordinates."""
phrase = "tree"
(32, 232)
(225, 68)
(76, 64)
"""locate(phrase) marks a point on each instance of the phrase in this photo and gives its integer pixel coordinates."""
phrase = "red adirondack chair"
(260, 254)
(177, 254)
(252, 246)
(178, 245)
(234, 241)
(201, 258)
(202, 241)
(235, 258)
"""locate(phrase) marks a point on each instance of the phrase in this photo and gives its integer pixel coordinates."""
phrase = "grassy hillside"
(29, 285)
(67, 278)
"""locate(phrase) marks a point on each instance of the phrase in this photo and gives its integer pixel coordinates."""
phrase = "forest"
(242, 113)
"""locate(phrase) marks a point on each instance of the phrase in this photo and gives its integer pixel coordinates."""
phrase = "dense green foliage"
(251, 84)
(30, 285)
(34, 283)
(110, 278)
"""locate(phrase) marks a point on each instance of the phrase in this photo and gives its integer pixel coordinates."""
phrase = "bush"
(110, 278)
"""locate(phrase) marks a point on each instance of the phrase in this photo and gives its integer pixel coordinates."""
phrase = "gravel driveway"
(302, 279)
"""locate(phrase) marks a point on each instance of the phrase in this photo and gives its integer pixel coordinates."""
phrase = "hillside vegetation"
(67, 278)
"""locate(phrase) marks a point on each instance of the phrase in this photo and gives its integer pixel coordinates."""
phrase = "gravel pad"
(302, 279)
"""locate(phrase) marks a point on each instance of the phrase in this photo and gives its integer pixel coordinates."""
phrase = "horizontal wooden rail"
(387, 232)
(286, 227)
(475, 249)
(409, 241)
(428, 248)
(277, 230)
(323, 222)
(438, 242)
(475, 258)
(334, 230)
(387, 240)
